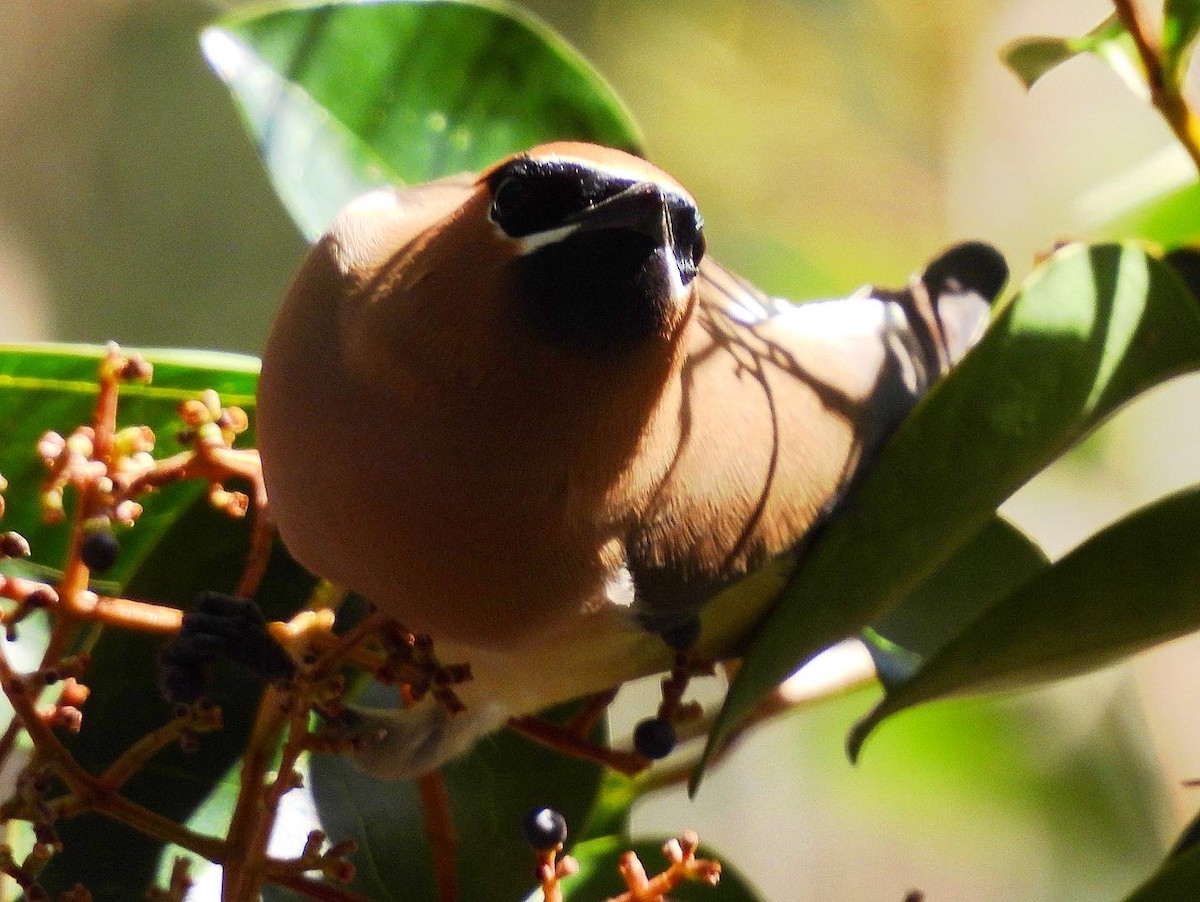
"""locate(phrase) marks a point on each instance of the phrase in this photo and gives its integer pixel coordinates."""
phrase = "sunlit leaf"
(1090, 329)
(1133, 585)
(54, 387)
(341, 96)
(1032, 58)
(1169, 219)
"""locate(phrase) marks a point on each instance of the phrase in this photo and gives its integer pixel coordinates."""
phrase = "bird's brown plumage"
(426, 444)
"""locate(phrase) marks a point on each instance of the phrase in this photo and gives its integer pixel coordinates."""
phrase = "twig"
(684, 867)
(281, 709)
(137, 755)
(439, 829)
(590, 712)
(240, 879)
(1165, 95)
(126, 613)
(316, 889)
(790, 697)
(88, 792)
(552, 868)
(565, 742)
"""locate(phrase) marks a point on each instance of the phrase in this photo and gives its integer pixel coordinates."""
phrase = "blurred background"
(829, 144)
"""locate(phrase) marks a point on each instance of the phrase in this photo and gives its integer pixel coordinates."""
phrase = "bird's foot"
(219, 626)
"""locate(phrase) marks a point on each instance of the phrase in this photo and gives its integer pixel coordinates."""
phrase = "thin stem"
(1165, 95)
(75, 573)
(127, 613)
(137, 755)
(248, 813)
(439, 828)
(315, 889)
(88, 792)
(548, 875)
(554, 737)
(781, 702)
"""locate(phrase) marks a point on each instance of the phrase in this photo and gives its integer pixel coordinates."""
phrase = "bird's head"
(567, 263)
(604, 246)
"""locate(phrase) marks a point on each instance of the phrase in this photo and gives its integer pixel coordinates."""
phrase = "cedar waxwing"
(523, 413)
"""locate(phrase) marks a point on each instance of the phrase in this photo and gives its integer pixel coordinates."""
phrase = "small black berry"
(545, 829)
(683, 636)
(99, 550)
(654, 738)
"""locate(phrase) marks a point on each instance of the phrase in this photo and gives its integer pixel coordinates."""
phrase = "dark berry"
(683, 636)
(99, 550)
(545, 829)
(654, 738)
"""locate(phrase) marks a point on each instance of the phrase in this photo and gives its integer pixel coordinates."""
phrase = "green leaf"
(1181, 23)
(343, 96)
(611, 808)
(491, 791)
(1090, 329)
(1031, 58)
(1169, 220)
(1133, 585)
(996, 560)
(1176, 879)
(599, 876)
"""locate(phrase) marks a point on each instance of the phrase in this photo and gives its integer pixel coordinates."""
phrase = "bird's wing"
(779, 407)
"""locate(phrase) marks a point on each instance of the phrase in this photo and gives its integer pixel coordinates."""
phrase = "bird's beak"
(642, 208)
(667, 219)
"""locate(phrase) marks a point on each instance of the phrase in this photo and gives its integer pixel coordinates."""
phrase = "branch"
(1165, 96)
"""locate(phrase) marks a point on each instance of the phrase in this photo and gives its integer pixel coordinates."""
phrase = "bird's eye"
(512, 204)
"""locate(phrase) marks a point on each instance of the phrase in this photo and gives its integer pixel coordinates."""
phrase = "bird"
(525, 413)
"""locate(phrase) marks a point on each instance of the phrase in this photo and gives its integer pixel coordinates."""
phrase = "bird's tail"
(948, 306)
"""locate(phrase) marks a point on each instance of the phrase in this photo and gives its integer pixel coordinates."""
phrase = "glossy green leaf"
(1031, 58)
(611, 809)
(1133, 585)
(342, 96)
(1090, 329)
(599, 876)
(1177, 879)
(991, 564)
(491, 791)
(1181, 23)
